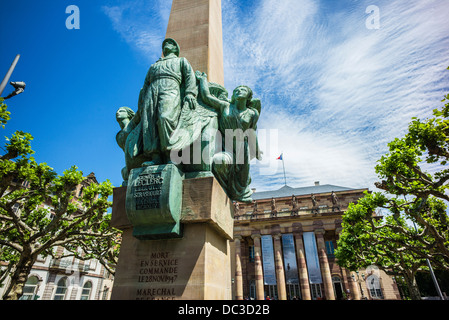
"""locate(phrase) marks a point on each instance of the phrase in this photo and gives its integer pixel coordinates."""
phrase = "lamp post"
(8, 74)
(432, 274)
(435, 281)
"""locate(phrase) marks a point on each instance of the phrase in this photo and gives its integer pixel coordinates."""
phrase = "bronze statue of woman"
(237, 123)
(124, 115)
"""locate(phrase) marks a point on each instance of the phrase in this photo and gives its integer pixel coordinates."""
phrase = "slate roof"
(287, 191)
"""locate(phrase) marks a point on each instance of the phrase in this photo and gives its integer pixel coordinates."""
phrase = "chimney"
(317, 183)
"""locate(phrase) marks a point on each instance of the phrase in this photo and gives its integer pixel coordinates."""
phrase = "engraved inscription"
(156, 294)
(148, 191)
(159, 272)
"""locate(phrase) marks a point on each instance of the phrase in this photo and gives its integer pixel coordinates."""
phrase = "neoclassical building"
(284, 246)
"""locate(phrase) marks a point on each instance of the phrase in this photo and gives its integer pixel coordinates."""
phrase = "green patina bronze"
(153, 202)
(179, 117)
(237, 124)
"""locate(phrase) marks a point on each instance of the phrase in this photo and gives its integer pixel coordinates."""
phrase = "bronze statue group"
(181, 112)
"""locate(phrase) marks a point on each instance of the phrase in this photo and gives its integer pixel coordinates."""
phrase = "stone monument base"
(194, 267)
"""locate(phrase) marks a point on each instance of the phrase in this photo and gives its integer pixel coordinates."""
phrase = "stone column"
(302, 267)
(324, 263)
(238, 269)
(197, 26)
(344, 274)
(279, 265)
(258, 267)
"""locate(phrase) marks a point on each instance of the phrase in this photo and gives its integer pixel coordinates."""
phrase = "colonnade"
(279, 267)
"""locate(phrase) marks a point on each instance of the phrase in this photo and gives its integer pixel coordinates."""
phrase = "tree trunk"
(412, 285)
(19, 278)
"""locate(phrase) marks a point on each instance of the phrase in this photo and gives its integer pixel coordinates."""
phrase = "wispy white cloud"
(335, 91)
(141, 23)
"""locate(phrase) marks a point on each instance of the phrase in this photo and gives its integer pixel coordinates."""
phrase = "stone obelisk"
(197, 26)
(194, 264)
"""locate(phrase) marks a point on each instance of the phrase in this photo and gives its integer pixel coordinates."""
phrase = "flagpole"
(281, 157)
(283, 165)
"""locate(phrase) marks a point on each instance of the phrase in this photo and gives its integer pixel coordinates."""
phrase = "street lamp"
(19, 87)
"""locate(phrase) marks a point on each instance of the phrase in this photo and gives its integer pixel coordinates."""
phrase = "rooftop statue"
(294, 206)
(335, 202)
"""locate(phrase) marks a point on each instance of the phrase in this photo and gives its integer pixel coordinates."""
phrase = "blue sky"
(334, 91)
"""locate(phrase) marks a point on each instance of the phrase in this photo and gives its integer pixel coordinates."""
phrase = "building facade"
(284, 246)
(66, 279)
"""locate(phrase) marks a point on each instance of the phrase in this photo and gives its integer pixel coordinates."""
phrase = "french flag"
(280, 157)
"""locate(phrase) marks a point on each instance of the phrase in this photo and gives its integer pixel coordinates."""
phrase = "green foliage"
(4, 113)
(39, 211)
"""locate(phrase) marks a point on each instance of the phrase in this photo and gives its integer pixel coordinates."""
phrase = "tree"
(414, 182)
(28, 228)
(420, 194)
(367, 239)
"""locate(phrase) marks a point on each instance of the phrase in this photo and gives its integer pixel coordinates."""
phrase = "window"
(30, 288)
(315, 289)
(61, 289)
(252, 289)
(271, 291)
(373, 285)
(251, 253)
(85, 294)
(293, 292)
(330, 248)
(105, 293)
